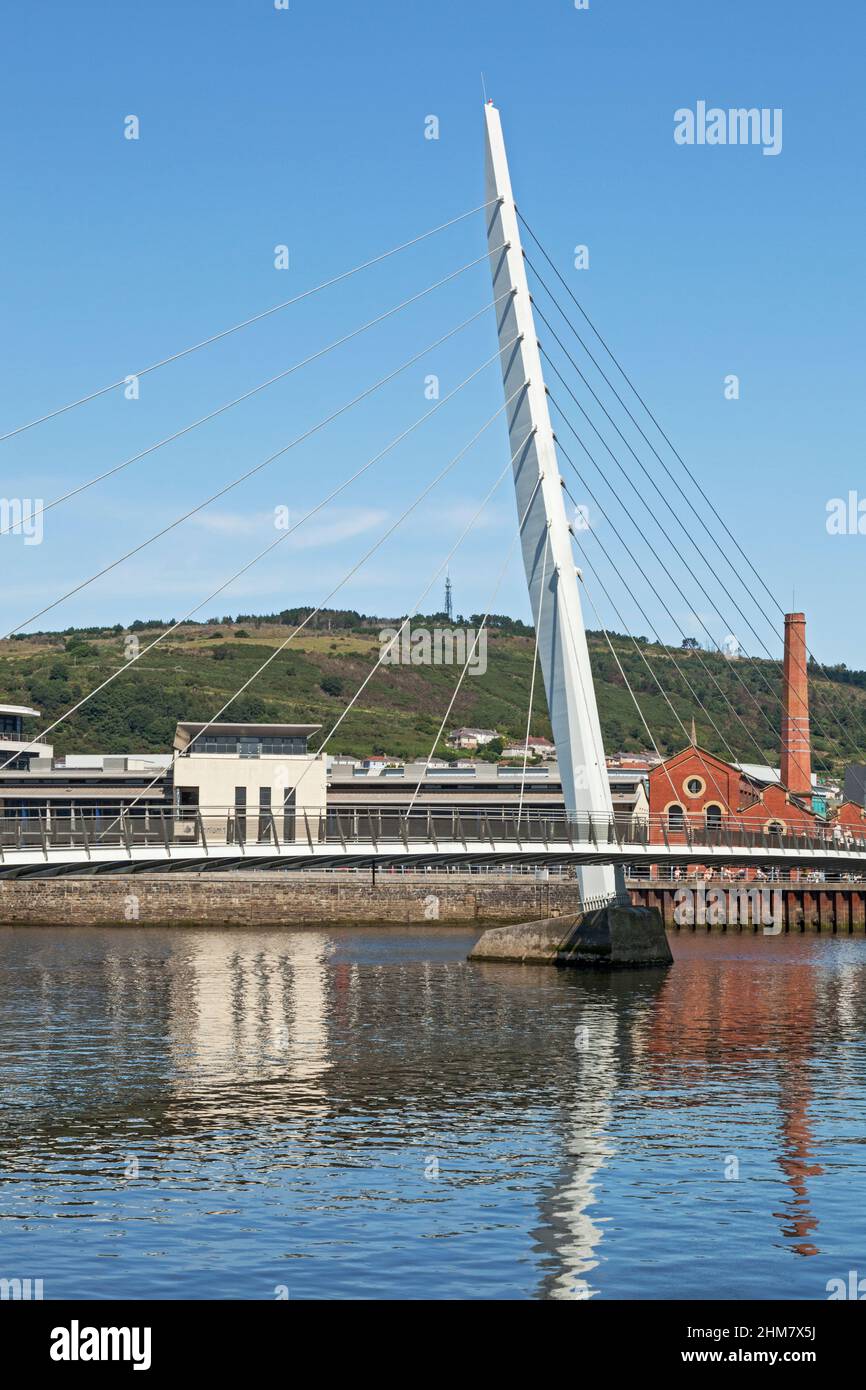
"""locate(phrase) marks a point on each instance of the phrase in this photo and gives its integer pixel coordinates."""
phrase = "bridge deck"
(209, 840)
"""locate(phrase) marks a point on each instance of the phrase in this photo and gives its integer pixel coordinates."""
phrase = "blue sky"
(306, 128)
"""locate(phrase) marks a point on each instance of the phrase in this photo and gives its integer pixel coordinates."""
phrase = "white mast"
(562, 649)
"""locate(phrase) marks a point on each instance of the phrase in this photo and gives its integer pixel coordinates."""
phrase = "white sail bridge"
(546, 362)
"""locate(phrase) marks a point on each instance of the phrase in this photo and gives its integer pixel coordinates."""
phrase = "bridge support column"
(614, 937)
(826, 915)
(547, 554)
(792, 910)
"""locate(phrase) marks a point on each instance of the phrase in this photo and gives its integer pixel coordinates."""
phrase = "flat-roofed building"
(15, 747)
(254, 779)
(259, 780)
(470, 788)
(90, 789)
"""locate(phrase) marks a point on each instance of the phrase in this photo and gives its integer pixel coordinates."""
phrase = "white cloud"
(234, 523)
(326, 530)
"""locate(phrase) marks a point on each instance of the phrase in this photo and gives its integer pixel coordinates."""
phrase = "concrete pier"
(610, 938)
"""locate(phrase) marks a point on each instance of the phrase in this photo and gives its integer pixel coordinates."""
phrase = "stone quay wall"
(281, 899)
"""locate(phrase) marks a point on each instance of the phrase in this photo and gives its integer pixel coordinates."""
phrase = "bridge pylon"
(551, 574)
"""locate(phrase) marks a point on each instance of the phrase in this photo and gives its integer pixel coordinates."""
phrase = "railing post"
(200, 822)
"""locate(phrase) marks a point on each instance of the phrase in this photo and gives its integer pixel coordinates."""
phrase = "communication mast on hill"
(449, 602)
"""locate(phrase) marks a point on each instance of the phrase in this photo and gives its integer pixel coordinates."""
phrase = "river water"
(361, 1113)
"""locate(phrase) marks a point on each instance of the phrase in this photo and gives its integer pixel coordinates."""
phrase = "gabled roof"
(693, 750)
(759, 799)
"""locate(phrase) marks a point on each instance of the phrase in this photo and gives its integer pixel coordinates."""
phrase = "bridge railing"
(296, 829)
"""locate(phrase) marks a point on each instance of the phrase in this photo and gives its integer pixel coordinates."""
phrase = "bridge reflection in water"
(362, 1112)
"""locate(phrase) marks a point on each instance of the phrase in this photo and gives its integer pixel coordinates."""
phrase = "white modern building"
(14, 741)
(480, 787)
(257, 779)
(254, 780)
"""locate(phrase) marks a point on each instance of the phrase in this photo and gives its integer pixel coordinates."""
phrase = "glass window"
(289, 814)
(264, 815)
(291, 747)
(676, 817)
(248, 746)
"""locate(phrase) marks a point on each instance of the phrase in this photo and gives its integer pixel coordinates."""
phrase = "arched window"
(713, 817)
(676, 819)
(775, 827)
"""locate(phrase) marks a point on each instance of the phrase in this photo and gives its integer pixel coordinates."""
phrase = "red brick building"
(694, 790)
(851, 817)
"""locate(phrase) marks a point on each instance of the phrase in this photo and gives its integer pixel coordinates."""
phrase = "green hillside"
(194, 670)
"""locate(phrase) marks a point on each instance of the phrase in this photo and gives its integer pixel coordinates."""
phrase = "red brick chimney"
(796, 750)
